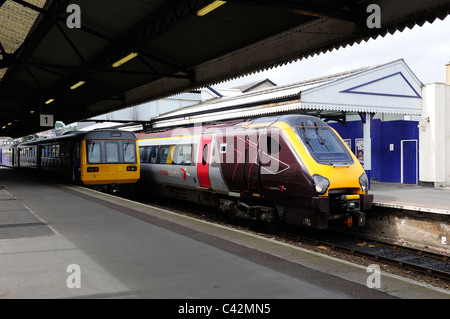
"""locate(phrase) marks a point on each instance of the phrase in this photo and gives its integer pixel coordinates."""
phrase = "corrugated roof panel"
(16, 22)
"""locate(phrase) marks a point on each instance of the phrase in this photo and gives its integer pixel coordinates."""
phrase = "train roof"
(99, 134)
(290, 119)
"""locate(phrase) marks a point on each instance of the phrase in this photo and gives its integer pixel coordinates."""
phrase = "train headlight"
(321, 184)
(364, 182)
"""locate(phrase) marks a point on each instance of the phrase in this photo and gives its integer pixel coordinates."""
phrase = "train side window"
(77, 151)
(163, 154)
(152, 154)
(273, 146)
(205, 154)
(149, 154)
(143, 154)
(46, 151)
(182, 155)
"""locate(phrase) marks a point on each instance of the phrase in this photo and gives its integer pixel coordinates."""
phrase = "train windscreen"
(107, 152)
(322, 143)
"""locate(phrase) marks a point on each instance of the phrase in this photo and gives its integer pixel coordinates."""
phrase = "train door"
(252, 165)
(15, 157)
(409, 161)
(75, 161)
(38, 156)
(246, 166)
(204, 156)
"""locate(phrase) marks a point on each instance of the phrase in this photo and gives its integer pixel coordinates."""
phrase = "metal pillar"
(367, 121)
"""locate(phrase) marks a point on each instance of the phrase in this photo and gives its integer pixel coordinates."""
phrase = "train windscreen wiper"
(322, 140)
(307, 139)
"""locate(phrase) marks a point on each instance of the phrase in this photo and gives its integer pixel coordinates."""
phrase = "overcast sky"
(425, 49)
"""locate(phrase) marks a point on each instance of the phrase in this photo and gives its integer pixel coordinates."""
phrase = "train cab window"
(129, 152)
(112, 152)
(93, 152)
(323, 144)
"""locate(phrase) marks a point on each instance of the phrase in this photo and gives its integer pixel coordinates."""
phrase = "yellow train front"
(109, 159)
(105, 159)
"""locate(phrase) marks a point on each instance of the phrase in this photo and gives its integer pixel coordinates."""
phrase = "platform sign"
(416, 118)
(46, 120)
(359, 149)
(348, 141)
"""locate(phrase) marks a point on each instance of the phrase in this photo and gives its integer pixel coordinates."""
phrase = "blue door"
(409, 162)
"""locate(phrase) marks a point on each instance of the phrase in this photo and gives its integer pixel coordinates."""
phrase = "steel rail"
(378, 258)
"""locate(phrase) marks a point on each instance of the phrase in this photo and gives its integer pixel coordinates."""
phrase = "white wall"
(146, 111)
(434, 136)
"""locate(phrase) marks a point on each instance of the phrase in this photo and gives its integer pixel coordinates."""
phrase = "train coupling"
(351, 202)
(360, 217)
(348, 221)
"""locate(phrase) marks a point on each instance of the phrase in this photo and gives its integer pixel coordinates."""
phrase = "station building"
(397, 127)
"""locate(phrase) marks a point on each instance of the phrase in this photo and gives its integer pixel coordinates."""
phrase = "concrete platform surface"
(411, 197)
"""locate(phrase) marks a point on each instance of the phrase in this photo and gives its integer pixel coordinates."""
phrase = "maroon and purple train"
(291, 168)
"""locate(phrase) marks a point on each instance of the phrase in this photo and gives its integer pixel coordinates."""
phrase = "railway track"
(425, 262)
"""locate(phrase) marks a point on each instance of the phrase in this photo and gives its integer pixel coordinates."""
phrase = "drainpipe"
(448, 74)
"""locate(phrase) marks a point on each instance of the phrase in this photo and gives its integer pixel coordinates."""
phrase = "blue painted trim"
(351, 90)
(362, 115)
(214, 91)
(258, 84)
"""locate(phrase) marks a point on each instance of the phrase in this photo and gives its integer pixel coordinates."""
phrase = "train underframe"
(313, 212)
(126, 189)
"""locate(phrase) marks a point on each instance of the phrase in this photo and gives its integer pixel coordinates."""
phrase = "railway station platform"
(65, 241)
(410, 214)
(412, 197)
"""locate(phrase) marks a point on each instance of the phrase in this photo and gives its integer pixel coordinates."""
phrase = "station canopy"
(392, 87)
(79, 59)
